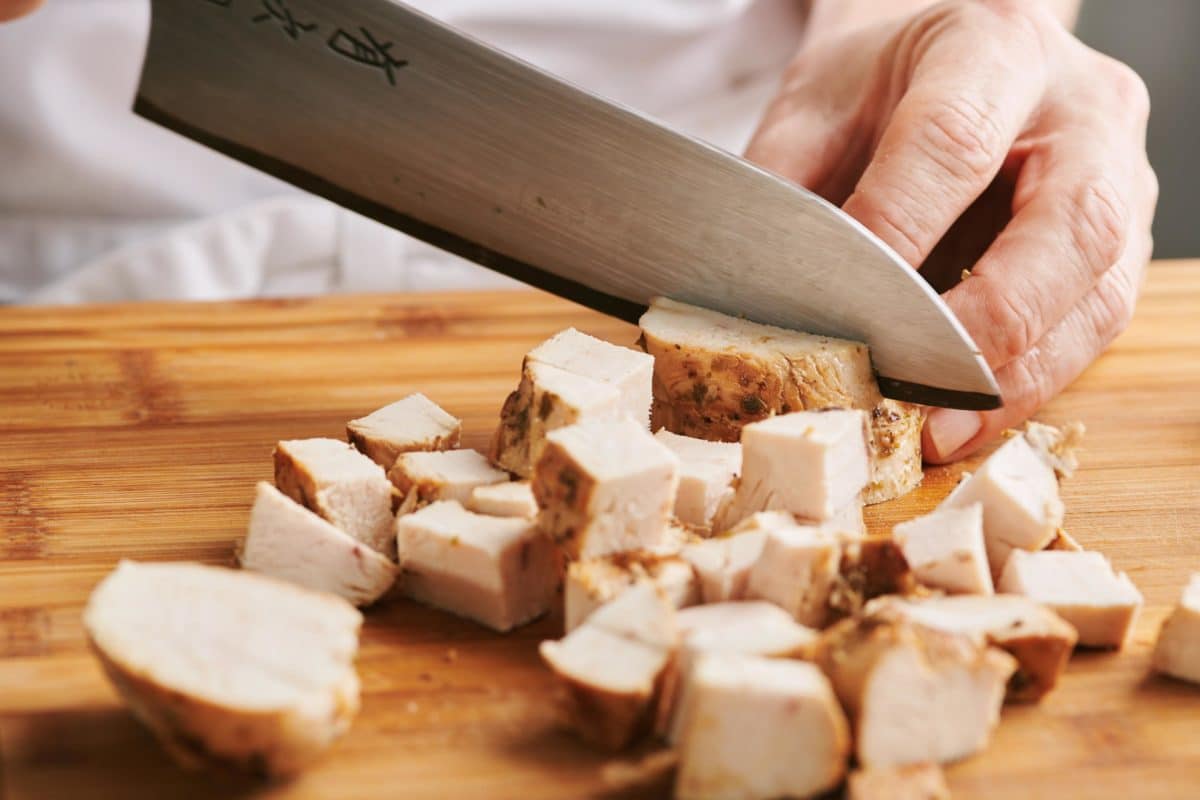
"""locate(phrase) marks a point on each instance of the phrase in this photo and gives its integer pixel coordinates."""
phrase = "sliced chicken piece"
(913, 782)
(1177, 652)
(498, 571)
(1081, 587)
(753, 728)
(426, 477)
(846, 522)
(287, 541)
(1040, 640)
(596, 581)
(895, 447)
(547, 398)
(945, 549)
(628, 371)
(810, 463)
(226, 665)
(1021, 506)
(413, 423)
(871, 566)
(605, 486)
(706, 473)
(342, 485)
(611, 668)
(714, 373)
(914, 694)
(509, 499)
(796, 571)
(723, 563)
(1058, 447)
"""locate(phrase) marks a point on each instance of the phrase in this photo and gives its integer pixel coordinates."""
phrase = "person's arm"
(982, 136)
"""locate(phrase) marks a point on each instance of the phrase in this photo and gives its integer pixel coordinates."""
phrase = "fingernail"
(949, 429)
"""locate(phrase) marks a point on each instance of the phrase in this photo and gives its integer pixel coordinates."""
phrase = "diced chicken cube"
(287, 541)
(847, 522)
(751, 627)
(945, 550)
(341, 484)
(612, 667)
(706, 473)
(605, 486)
(1040, 640)
(723, 563)
(594, 582)
(753, 728)
(226, 665)
(913, 782)
(1081, 587)
(871, 566)
(796, 571)
(498, 571)
(914, 694)
(628, 371)
(714, 373)
(1058, 447)
(426, 477)
(509, 499)
(547, 398)
(413, 423)
(1021, 506)
(1177, 652)
(811, 463)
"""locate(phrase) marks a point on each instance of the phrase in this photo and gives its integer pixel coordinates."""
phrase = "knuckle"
(1010, 326)
(1099, 220)
(1113, 303)
(1129, 88)
(965, 138)
(899, 226)
(1033, 384)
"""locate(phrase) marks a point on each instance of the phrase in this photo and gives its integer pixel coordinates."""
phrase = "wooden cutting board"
(139, 431)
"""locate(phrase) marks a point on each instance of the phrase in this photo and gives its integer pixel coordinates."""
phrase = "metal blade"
(394, 115)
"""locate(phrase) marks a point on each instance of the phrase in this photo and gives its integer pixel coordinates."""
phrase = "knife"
(392, 114)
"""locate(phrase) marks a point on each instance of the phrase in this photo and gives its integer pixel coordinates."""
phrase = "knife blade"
(392, 114)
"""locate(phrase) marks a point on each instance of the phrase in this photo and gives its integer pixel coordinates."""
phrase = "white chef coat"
(97, 204)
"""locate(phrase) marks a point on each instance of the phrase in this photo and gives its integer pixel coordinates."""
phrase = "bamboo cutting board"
(139, 431)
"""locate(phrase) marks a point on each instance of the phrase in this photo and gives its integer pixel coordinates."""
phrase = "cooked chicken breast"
(723, 563)
(426, 477)
(628, 371)
(1177, 652)
(498, 571)
(287, 541)
(945, 549)
(413, 423)
(597, 581)
(1081, 587)
(228, 665)
(706, 473)
(753, 728)
(605, 486)
(914, 694)
(914, 782)
(508, 499)
(1058, 447)
(796, 571)
(341, 484)
(1040, 640)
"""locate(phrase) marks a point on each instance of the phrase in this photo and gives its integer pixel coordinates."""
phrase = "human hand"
(983, 135)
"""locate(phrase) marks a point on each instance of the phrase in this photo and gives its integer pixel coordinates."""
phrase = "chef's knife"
(392, 114)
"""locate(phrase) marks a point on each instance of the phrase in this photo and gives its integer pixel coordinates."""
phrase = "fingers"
(1048, 367)
(979, 75)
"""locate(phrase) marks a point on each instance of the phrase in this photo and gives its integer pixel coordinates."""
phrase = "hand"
(983, 135)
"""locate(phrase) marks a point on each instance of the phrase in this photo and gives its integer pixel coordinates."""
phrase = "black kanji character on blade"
(279, 11)
(367, 50)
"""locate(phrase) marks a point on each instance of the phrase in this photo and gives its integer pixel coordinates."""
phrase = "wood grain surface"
(139, 431)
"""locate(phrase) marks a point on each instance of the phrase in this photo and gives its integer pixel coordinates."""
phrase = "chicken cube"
(1177, 652)
(287, 541)
(596, 581)
(796, 571)
(1040, 640)
(547, 398)
(605, 486)
(870, 566)
(508, 499)
(913, 782)
(1021, 506)
(811, 463)
(945, 550)
(628, 371)
(341, 484)
(225, 665)
(611, 668)
(413, 423)
(914, 694)
(723, 563)
(498, 571)
(706, 473)
(426, 477)
(895, 447)
(753, 728)
(1081, 587)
